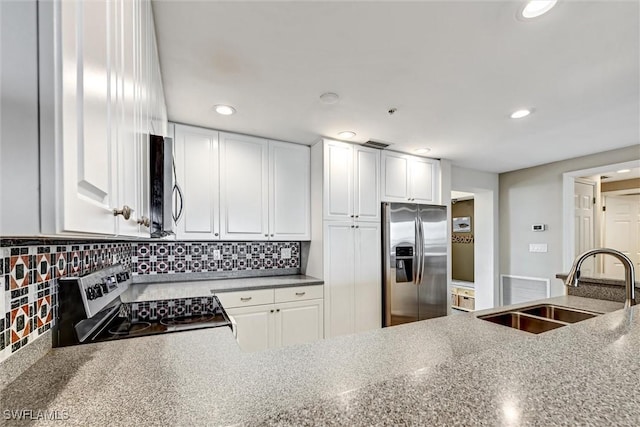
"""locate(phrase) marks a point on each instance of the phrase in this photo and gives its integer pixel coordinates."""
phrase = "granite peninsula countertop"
(455, 370)
(150, 291)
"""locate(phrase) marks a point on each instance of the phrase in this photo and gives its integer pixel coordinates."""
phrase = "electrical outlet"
(217, 256)
(285, 253)
(537, 247)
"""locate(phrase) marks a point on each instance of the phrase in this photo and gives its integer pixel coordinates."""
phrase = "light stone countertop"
(455, 370)
(202, 288)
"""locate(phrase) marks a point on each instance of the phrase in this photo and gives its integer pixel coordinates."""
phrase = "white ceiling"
(455, 70)
(613, 175)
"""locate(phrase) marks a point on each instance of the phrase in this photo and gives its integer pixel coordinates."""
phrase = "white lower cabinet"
(352, 271)
(270, 318)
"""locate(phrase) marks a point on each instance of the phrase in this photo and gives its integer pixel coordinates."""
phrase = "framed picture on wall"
(462, 224)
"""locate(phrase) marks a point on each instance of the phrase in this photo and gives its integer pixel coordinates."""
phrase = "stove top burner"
(127, 328)
(187, 320)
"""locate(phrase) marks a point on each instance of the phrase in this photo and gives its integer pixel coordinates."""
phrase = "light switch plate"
(537, 247)
(285, 253)
(216, 255)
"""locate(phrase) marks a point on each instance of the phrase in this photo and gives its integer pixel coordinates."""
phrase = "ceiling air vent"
(375, 144)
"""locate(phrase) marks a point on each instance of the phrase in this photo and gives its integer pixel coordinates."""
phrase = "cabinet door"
(196, 155)
(289, 191)
(367, 277)
(338, 180)
(255, 326)
(130, 159)
(298, 322)
(395, 177)
(339, 277)
(423, 180)
(244, 190)
(88, 160)
(367, 184)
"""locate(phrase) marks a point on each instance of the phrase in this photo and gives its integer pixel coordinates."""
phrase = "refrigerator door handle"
(418, 252)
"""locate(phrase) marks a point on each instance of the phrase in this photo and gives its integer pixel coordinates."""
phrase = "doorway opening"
(462, 252)
(602, 209)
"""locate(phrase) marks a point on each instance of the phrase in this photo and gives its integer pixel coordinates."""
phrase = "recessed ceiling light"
(624, 170)
(347, 134)
(329, 98)
(535, 8)
(225, 110)
(520, 114)
(422, 150)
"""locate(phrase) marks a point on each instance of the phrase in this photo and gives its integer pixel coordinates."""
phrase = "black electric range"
(90, 310)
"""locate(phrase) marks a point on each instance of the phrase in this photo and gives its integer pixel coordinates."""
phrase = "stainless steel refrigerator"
(414, 260)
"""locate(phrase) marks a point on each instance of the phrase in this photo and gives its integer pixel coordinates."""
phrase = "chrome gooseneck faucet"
(629, 271)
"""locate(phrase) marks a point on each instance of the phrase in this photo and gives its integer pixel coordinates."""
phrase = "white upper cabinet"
(289, 191)
(366, 184)
(407, 178)
(238, 187)
(97, 56)
(197, 177)
(351, 182)
(89, 142)
(244, 187)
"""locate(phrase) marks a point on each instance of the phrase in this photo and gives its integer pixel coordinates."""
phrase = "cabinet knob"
(278, 310)
(357, 226)
(266, 235)
(353, 226)
(272, 235)
(272, 311)
(215, 234)
(351, 215)
(357, 216)
(126, 212)
(144, 221)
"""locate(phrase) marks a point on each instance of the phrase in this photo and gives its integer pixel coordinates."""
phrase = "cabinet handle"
(300, 293)
(246, 299)
(126, 212)
(144, 221)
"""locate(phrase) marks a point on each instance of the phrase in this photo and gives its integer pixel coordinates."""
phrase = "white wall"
(485, 187)
(535, 195)
(19, 179)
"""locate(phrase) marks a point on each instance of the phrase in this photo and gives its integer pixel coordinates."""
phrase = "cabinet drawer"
(464, 291)
(299, 293)
(245, 298)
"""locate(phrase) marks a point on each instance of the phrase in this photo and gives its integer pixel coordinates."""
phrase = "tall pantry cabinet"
(346, 239)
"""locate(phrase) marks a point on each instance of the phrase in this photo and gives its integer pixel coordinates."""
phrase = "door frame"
(568, 219)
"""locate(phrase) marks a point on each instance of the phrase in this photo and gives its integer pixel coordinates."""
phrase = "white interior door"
(622, 232)
(584, 196)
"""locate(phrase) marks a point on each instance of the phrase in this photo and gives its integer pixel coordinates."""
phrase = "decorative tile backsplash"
(28, 277)
(202, 257)
(29, 273)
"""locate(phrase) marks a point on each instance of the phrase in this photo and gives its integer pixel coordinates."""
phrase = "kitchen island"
(457, 370)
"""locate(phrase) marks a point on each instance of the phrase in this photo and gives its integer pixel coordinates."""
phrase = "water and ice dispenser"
(404, 264)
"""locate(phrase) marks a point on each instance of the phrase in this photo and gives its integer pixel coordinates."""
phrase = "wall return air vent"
(375, 144)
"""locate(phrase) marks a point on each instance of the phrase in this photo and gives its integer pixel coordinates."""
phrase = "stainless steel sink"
(563, 314)
(539, 318)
